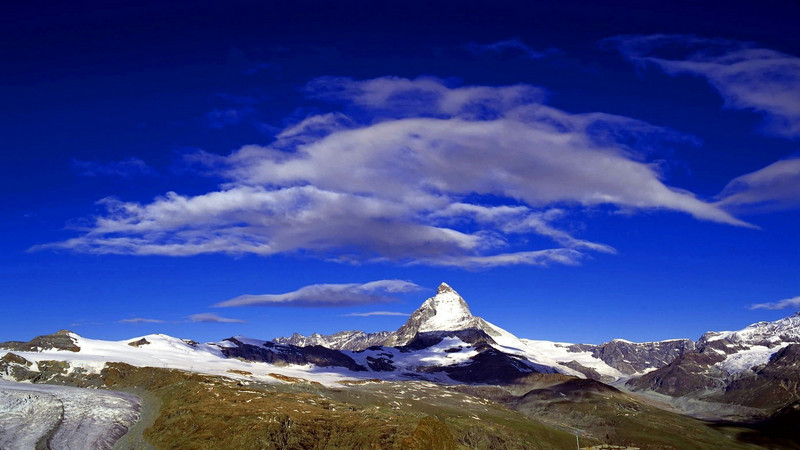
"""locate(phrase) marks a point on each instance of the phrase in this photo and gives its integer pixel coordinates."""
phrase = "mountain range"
(443, 341)
(753, 372)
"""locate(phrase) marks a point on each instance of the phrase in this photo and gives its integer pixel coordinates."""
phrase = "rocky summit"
(446, 311)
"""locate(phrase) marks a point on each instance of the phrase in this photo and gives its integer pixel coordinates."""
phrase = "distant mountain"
(343, 340)
(756, 366)
(624, 359)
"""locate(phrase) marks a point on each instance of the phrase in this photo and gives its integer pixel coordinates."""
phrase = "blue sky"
(578, 172)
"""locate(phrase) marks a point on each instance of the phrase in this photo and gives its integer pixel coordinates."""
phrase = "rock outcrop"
(61, 340)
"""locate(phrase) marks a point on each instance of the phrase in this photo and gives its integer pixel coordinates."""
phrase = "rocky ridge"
(343, 340)
(756, 366)
(447, 312)
(636, 357)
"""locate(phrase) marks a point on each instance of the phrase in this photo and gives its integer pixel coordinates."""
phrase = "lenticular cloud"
(417, 172)
(380, 291)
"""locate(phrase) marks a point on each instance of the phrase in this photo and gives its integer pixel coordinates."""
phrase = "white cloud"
(444, 176)
(212, 318)
(128, 167)
(380, 291)
(425, 96)
(519, 219)
(774, 187)
(541, 258)
(509, 46)
(783, 304)
(747, 77)
(141, 320)
(376, 313)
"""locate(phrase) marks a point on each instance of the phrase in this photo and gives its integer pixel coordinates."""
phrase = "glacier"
(62, 417)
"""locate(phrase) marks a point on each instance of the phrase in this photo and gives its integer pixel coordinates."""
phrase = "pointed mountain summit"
(446, 312)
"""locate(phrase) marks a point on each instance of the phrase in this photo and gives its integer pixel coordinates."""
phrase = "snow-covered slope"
(753, 345)
(565, 354)
(159, 350)
(450, 351)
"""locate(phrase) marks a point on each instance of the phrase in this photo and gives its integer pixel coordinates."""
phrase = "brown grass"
(289, 379)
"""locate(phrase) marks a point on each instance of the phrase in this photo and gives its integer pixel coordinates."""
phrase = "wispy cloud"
(401, 186)
(774, 187)
(376, 313)
(381, 291)
(212, 318)
(783, 304)
(746, 76)
(259, 67)
(221, 118)
(129, 167)
(510, 46)
(141, 320)
(541, 258)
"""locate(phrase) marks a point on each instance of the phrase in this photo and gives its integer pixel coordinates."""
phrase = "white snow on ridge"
(168, 352)
(243, 340)
(787, 329)
(435, 355)
(776, 335)
(502, 337)
(558, 352)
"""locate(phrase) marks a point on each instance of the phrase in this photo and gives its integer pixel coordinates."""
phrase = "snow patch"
(747, 359)
(558, 352)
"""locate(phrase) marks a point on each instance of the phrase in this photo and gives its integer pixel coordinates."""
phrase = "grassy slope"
(600, 412)
(196, 411)
(201, 412)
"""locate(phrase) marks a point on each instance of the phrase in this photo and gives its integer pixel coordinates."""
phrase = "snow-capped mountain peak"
(444, 287)
(760, 333)
(446, 311)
